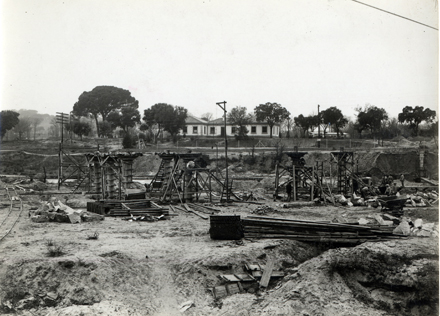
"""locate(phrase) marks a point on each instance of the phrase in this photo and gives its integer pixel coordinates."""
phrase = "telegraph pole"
(62, 118)
(319, 124)
(222, 105)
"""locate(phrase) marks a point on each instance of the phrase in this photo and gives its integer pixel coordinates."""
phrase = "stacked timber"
(127, 208)
(310, 231)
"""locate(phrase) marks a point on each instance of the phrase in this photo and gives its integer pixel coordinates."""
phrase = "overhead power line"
(400, 16)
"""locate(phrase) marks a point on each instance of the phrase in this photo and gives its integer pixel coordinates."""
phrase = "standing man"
(402, 180)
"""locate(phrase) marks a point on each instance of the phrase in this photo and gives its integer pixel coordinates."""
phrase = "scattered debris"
(185, 305)
(55, 210)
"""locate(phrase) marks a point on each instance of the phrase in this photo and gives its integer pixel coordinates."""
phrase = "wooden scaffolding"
(181, 177)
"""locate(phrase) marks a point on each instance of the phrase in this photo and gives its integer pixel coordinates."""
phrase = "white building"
(198, 127)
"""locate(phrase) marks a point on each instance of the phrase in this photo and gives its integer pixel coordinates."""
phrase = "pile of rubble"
(55, 211)
(263, 209)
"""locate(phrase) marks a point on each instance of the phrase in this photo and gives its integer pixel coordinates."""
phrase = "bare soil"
(150, 268)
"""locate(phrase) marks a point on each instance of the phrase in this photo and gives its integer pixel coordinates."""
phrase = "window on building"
(195, 129)
(233, 130)
(185, 130)
(204, 130)
(264, 130)
(253, 130)
(212, 130)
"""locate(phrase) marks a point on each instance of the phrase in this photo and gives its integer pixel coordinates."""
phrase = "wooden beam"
(264, 282)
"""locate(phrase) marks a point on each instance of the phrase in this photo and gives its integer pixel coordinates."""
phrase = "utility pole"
(226, 148)
(62, 119)
(319, 123)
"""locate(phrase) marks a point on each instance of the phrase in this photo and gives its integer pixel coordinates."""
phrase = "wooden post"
(294, 183)
(312, 188)
(277, 182)
(60, 165)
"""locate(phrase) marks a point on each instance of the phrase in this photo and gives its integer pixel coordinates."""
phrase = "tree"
(206, 116)
(105, 129)
(370, 118)
(414, 116)
(333, 116)
(54, 129)
(8, 120)
(272, 113)
(23, 127)
(287, 125)
(101, 101)
(306, 122)
(238, 117)
(125, 117)
(81, 128)
(166, 117)
(35, 122)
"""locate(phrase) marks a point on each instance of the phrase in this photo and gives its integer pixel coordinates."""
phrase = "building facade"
(215, 128)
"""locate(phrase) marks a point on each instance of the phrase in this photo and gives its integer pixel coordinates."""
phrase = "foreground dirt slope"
(142, 268)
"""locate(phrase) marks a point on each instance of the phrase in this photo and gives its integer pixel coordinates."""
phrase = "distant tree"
(23, 127)
(166, 117)
(370, 118)
(306, 122)
(54, 129)
(414, 116)
(125, 117)
(129, 141)
(206, 116)
(101, 101)
(237, 116)
(81, 128)
(35, 122)
(333, 116)
(105, 129)
(287, 125)
(8, 120)
(271, 113)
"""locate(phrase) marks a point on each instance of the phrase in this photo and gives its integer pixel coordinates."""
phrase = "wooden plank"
(264, 282)
(192, 211)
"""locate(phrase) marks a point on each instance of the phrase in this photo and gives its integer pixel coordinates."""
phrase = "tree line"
(114, 108)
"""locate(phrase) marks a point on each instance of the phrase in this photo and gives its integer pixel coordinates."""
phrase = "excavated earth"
(151, 268)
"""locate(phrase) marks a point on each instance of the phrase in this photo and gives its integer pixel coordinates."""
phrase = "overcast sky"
(193, 53)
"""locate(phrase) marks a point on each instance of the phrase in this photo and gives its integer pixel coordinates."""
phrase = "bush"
(128, 141)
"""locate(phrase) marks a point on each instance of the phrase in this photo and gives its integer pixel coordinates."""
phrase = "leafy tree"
(101, 101)
(129, 141)
(8, 120)
(125, 117)
(333, 116)
(166, 117)
(24, 126)
(370, 118)
(414, 116)
(238, 117)
(81, 128)
(105, 129)
(306, 122)
(272, 113)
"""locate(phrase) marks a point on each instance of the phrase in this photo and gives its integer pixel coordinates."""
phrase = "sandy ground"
(150, 268)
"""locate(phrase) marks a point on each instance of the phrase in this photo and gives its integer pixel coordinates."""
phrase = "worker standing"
(402, 180)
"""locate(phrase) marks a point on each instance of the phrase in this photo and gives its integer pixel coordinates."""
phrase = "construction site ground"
(169, 267)
(151, 268)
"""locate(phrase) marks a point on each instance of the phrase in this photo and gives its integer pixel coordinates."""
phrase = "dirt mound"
(372, 279)
(378, 164)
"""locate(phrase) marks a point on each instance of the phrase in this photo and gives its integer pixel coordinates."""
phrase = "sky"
(194, 53)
